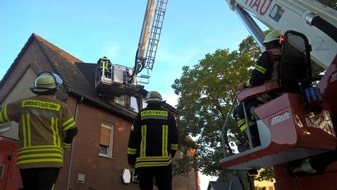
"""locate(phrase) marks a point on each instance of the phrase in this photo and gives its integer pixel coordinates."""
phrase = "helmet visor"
(58, 79)
(43, 86)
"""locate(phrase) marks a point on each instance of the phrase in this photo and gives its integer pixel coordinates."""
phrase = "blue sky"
(92, 29)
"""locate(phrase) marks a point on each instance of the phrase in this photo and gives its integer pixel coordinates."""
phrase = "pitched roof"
(64, 65)
(74, 82)
(78, 77)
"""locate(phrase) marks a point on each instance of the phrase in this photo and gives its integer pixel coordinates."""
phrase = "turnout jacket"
(153, 138)
(46, 128)
(267, 68)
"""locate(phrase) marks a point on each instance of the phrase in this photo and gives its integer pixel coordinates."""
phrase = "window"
(106, 140)
(120, 100)
(144, 103)
(134, 104)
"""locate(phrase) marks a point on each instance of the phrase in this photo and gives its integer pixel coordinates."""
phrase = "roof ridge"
(60, 51)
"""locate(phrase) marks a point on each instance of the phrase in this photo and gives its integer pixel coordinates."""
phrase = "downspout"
(72, 144)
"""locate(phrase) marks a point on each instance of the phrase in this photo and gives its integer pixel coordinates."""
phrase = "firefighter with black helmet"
(153, 142)
(267, 68)
(46, 128)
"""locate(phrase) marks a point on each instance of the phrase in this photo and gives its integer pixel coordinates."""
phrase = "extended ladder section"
(116, 80)
(148, 43)
(295, 125)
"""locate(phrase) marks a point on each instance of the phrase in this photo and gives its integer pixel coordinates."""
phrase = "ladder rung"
(145, 76)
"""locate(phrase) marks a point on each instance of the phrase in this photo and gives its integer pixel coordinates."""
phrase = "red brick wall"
(100, 172)
(104, 173)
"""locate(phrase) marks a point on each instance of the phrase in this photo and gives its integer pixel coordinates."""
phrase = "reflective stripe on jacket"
(267, 68)
(153, 138)
(43, 121)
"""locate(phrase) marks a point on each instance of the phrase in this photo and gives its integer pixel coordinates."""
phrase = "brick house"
(98, 155)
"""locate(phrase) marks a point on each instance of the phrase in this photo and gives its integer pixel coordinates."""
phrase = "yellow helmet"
(273, 35)
(103, 59)
(46, 82)
(153, 96)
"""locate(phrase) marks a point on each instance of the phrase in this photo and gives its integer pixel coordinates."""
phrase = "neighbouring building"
(98, 156)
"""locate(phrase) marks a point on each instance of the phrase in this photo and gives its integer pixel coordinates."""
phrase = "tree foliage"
(206, 92)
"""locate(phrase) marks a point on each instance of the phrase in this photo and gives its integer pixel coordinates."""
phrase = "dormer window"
(134, 104)
(120, 100)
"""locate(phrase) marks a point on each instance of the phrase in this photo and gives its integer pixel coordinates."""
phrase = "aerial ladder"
(123, 80)
(297, 129)
(149, 39)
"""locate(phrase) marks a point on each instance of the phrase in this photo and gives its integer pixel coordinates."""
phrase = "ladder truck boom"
(117, 80)
(149, 38)
(145, 32)
(305, 16)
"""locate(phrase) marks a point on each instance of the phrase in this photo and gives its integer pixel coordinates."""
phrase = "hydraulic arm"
(149, 38)
(316, 21)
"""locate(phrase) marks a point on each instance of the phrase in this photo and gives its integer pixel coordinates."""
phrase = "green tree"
(206, 93)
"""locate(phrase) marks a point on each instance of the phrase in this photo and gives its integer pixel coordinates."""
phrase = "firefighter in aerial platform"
(105, 67)
(46, 128)
(267, 68)
(153, 142)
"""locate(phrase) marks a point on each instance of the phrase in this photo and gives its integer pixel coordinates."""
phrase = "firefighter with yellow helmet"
(105, 67)
(153, 142)
(266, 68)
(46, 128)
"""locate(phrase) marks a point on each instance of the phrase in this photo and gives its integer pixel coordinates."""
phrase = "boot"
(252, 172)
(255, 135)
(243, 147)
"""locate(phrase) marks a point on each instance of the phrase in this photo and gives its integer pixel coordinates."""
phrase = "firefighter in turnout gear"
(153, 143)
(267, 68)
(105, 67)
(46, 129)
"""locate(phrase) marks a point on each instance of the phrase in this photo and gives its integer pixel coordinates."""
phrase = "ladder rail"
(224, 126)
(153, 40)
(156, 29)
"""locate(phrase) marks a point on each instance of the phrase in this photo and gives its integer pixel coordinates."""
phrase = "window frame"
(121, 100)
(109, 148)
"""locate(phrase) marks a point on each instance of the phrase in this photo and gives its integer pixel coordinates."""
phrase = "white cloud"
(171, 99)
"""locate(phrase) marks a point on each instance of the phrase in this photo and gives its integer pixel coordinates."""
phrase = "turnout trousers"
(39, 178)
(162, 176)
